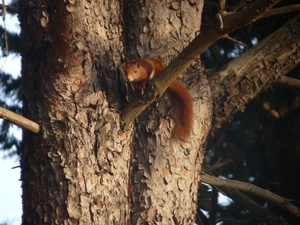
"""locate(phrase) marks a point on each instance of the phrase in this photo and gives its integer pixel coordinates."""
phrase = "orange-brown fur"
(140, 71)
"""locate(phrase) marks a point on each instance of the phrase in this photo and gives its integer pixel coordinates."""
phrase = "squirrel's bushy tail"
(182, 109)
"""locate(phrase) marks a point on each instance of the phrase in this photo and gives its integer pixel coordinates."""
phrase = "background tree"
(10, 97)
(259, 145)
(77, 104)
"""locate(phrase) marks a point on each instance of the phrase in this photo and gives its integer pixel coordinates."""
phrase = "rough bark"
(73, 170)
(83, 168)
(76, 171)
(165, 173)
(219, 28)
(238, 82)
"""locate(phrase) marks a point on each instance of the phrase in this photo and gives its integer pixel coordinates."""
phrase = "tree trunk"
(76, 170)
(84, 167)
(165, 173)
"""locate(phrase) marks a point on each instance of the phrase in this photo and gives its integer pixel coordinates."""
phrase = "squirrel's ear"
(138, 63)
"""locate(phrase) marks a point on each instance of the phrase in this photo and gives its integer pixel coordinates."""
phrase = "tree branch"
(220, 182)
(260, 212)
(208, 36)
(281, 10)
(236, 83)
(289, 81)
(222, 4)
(19, 120)
(235, 41)
(10, 9)
(216, 166)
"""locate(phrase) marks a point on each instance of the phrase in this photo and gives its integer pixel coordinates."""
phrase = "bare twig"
(258, 211)
(281, 10)
(220, 182)
(253, 218)
(289, 81)
(216, 166)
(220, 21)
(222, 4)
(5, 32)
(235, 41)
(19, 120)
(10, 9)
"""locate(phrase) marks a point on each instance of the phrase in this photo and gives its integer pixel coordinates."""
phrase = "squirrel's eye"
(135, 71)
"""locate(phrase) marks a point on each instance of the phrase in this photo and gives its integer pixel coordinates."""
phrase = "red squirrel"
(138, 72)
